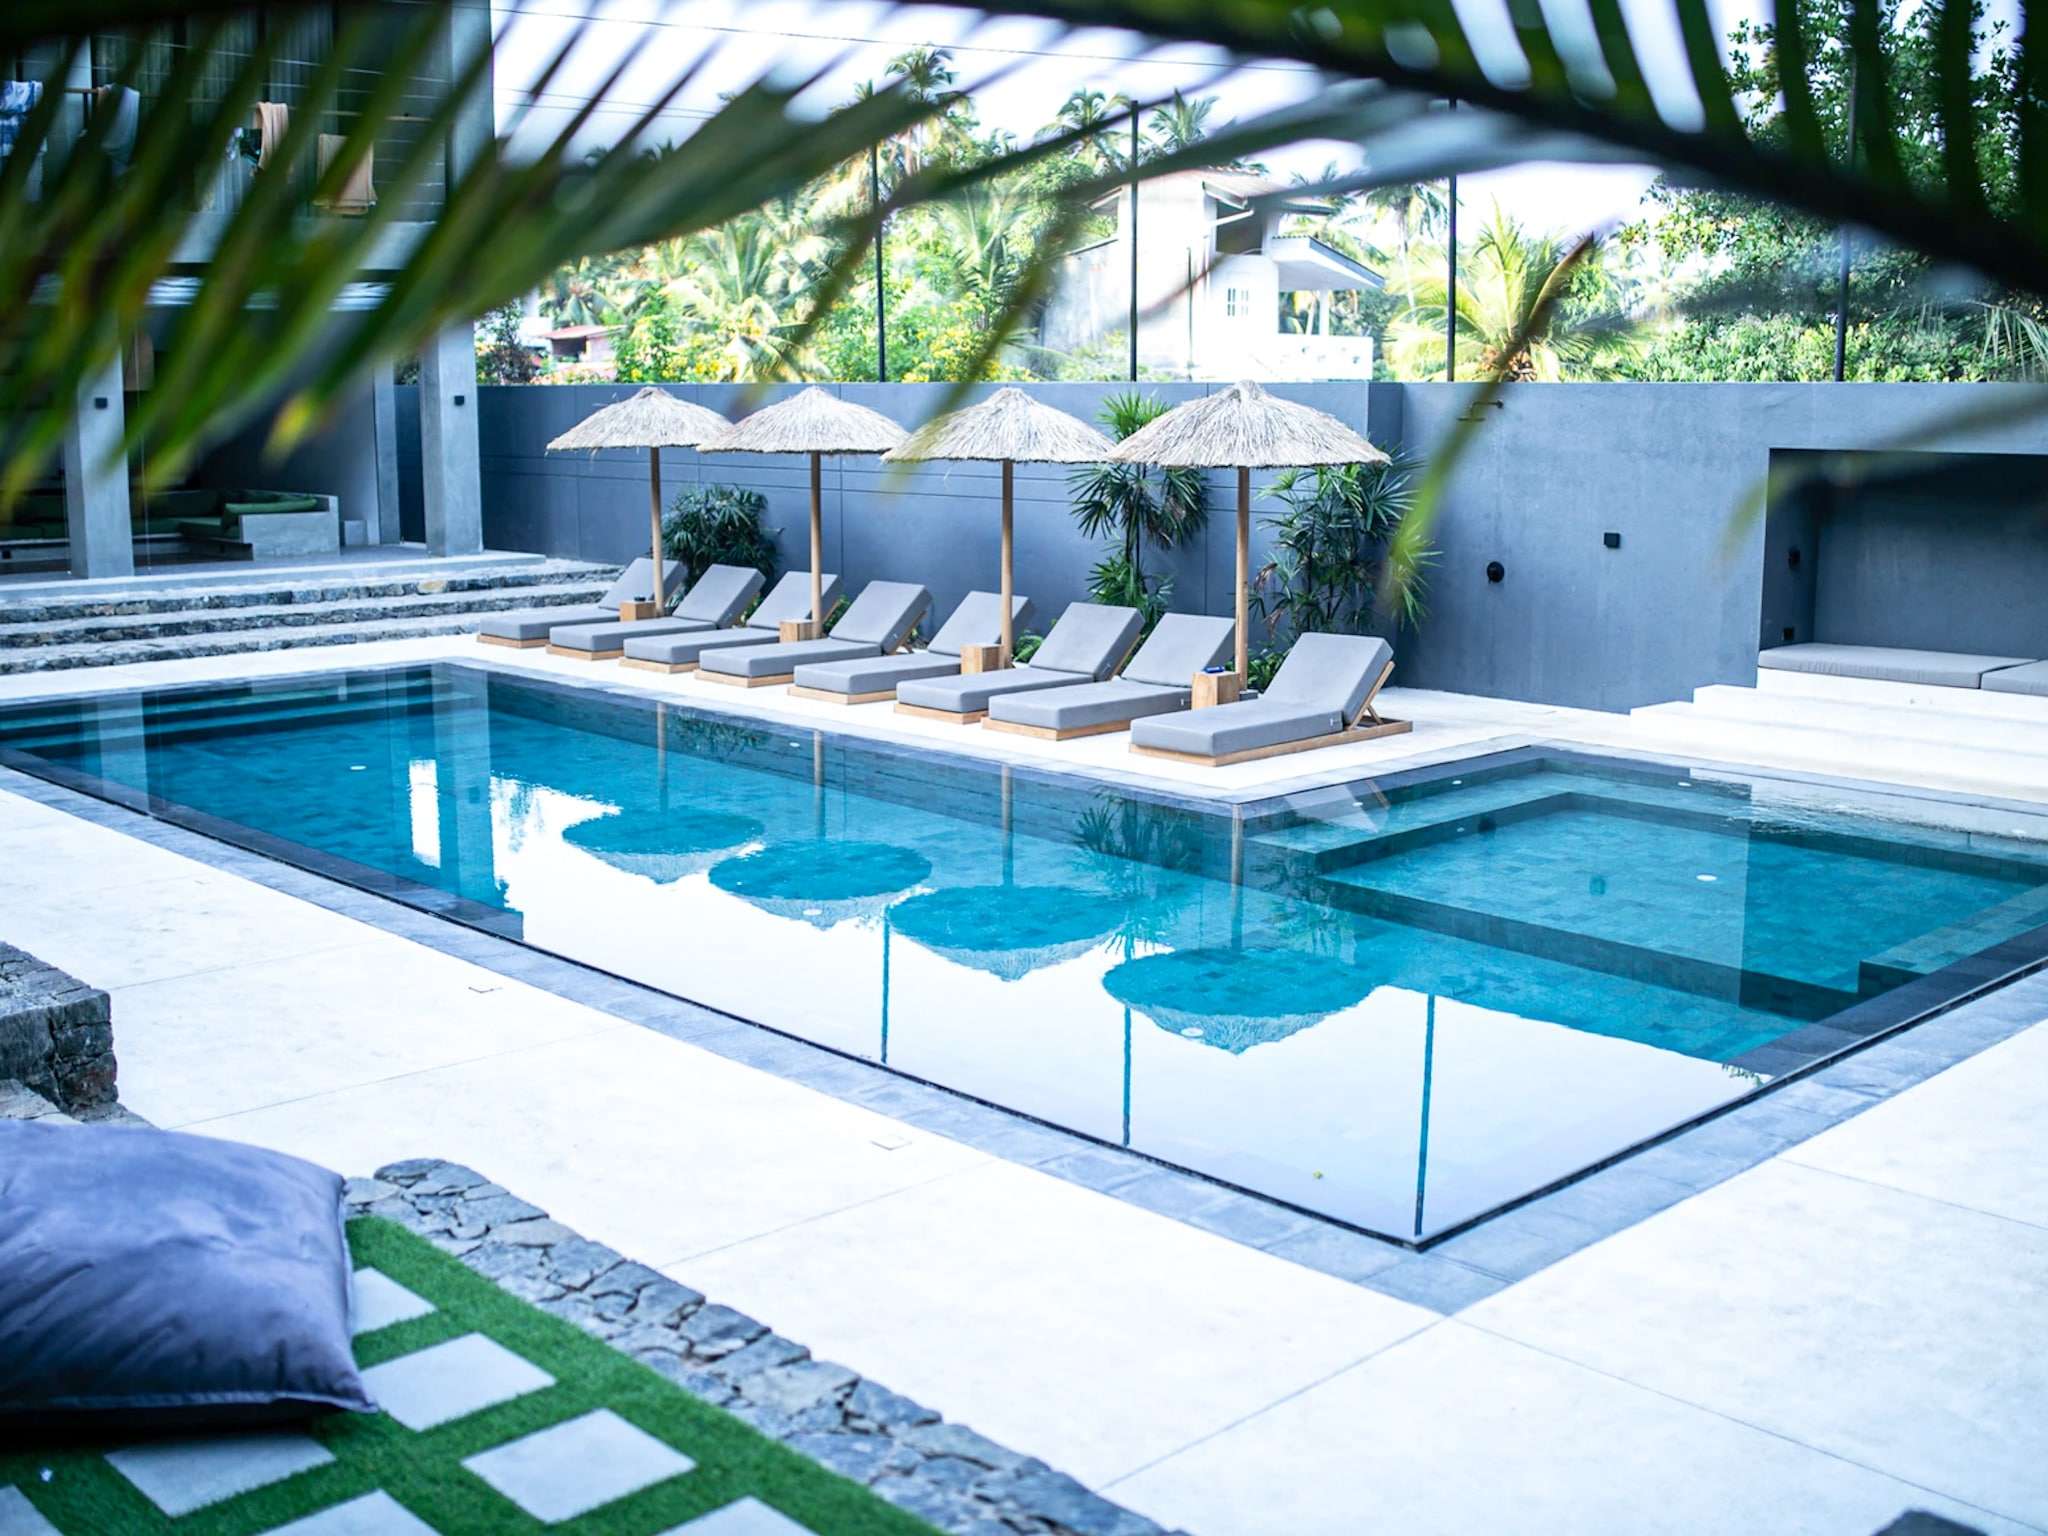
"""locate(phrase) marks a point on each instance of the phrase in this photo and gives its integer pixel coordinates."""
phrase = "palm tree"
(985, 237)
(1419, 210)
(1524, 313)
(1178, 123)
(1134, 505)
(591, 290)
(737, 288)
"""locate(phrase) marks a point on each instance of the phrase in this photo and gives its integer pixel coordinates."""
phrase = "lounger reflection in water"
(1158, 680)
(871, 679)
(790, 598)
(1322, 696)
(1085, 646)
(877, 622)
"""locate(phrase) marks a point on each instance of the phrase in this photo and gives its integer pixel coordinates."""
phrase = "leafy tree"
(501, 356)
(1330, 546)
(711, 525)
(1178, 123)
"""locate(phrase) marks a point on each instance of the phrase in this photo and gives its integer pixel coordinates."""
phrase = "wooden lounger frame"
(926, 712)
(516, 645)
(1055, 733)
(734, 680)
(669, 667)
(574, 654)
(827, 696)
(1358, 730)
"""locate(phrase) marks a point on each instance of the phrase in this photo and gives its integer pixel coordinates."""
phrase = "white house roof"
(1306, 263)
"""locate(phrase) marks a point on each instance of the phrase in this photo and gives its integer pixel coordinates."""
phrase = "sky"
(1020, 70)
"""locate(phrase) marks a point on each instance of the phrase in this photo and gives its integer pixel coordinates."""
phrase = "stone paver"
(179, 1476)
(18, 1517)
(381, 1301)
(374, 1514)
(448, 1381)
(569, 1469)
(746, 1517)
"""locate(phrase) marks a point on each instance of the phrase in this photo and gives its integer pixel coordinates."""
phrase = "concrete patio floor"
(1848, 1330)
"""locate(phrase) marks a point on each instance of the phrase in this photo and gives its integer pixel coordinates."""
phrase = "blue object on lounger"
(163, 1280)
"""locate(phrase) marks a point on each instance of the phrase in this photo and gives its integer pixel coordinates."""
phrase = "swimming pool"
(1399, 1005)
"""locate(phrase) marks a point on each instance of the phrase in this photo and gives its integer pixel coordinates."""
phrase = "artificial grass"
(83, 1494)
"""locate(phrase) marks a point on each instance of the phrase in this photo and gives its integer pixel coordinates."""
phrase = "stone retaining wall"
(56, 1033)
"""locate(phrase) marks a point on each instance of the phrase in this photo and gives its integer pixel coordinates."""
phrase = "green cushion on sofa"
(242, 502)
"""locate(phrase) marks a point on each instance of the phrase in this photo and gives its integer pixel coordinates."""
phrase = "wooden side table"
(634, 610)
(798, 629)
(1213, 688)
(981, 658)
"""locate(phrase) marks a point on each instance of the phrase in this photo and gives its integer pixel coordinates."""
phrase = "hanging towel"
(273, 118)
(119, 142)
(358, 194)
(18, 98)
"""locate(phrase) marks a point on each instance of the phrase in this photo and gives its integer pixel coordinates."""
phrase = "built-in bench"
(203, 523)
(1892, 664)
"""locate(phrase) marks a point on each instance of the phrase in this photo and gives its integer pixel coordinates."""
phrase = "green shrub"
(711, 525)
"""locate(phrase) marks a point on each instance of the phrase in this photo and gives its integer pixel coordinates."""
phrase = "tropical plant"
(1135, 505)
(1178, 124)
(1119, 584)
(590, 290)
(502, 357)
(711, 525)
(1528, 309)
(743, 292)
(1329, 549)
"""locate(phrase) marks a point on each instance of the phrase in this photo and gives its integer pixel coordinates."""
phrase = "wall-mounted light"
(459, 399)
(1495, 571)
(99, 402)
(1792, 558)
(1611, 539)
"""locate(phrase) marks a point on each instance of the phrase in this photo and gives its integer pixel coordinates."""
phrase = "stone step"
(51, 658)
(345, 584)
(2020, 728)
(167, 623)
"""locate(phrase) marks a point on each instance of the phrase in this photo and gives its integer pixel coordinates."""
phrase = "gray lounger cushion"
(1241, 727)
(875, 674)
(879, 620)
(721, 592)
(1158, 679)
(964, 694)
(169, 1280)
(2032, 678)
(1079, 705)
(1887, 664)
(539, 623)
(1318, 691)
(636, 582)
(1090, 640)
(790, 598)
(979, 621)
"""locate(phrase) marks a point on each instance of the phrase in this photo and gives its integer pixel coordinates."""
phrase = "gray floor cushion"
(965, 695)
(875, 674)
(163, 1279)
(1887, 664)
(2032, 678)
(1087, 704)
(1241, 727)
(538, 623)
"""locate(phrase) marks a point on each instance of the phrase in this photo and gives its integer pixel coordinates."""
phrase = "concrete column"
(384, 517)
(450, 481)
(96, 479)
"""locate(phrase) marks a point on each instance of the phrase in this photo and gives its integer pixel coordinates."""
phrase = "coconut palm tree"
(736, 287)
(1178, 123)
(1524, 313)
(985, 236)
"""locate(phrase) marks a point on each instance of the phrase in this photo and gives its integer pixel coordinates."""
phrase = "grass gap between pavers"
(85, 1496)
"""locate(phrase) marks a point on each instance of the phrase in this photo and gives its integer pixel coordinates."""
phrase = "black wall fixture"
(1495, 571)
(1611, 539)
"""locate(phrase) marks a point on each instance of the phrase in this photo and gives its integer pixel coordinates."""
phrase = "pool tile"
(1098, 1168)
(1521, 1242)
(1441, 1284)
(1336, 1251)
(450, 1381)
(571, 1468)
(179, 1476)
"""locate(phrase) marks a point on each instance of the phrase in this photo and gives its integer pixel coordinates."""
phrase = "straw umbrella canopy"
(1244, 428)
(1008, 428)
(1233, 999)
(816, 423)
(667, 846)
(654, 419)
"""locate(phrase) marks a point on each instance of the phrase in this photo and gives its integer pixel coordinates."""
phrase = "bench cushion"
(1084, 704)
(1887, 664)
(720, 595)
(1180, 645)
(1244, 726)
(964, 694)
(790, 598)
(979, 621)
(1090, 640)
(615, 632)
(539, 623)
(874, 674)
(1329, 672)
(775, 660)
(682, 650)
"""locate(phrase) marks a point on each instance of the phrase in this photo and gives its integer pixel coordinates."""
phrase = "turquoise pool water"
(1397, 1005)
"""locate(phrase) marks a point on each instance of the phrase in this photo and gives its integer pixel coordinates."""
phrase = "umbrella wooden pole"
(654, 524)
(1244, 573)
(1009, 627)
(817, 545)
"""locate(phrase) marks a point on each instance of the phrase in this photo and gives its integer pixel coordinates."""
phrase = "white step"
(1864, 690)
(1879, 722)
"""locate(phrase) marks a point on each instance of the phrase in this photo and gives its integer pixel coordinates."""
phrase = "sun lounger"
(528, 628)
(1158, 680)
(720, 596)
(1087, 645)
(789, 598)
(1321, 697)
(870, 679)
(880, 620)
(1887, 664)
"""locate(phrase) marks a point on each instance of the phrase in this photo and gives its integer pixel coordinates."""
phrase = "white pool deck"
(1850, 1329)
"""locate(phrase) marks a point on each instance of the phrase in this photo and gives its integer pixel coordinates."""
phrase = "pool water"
(1399, 1005)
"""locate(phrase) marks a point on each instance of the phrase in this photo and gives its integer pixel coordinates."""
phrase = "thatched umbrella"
(820, 883)
(1233, 999)
(654, 419)
(1007, 428)
(1244, 428)
(666, 846)
(816, 423)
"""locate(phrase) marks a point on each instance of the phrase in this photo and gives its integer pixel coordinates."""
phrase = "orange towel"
(272, 119)
(358, 194)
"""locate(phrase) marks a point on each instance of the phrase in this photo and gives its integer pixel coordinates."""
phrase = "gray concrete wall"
(1677, 470)
(340, 460)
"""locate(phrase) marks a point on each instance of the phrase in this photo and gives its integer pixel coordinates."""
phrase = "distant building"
(1222, 292)
(590, 345)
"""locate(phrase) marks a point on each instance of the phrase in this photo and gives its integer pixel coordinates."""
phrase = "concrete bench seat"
(2031, 678)
(1888, 664)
